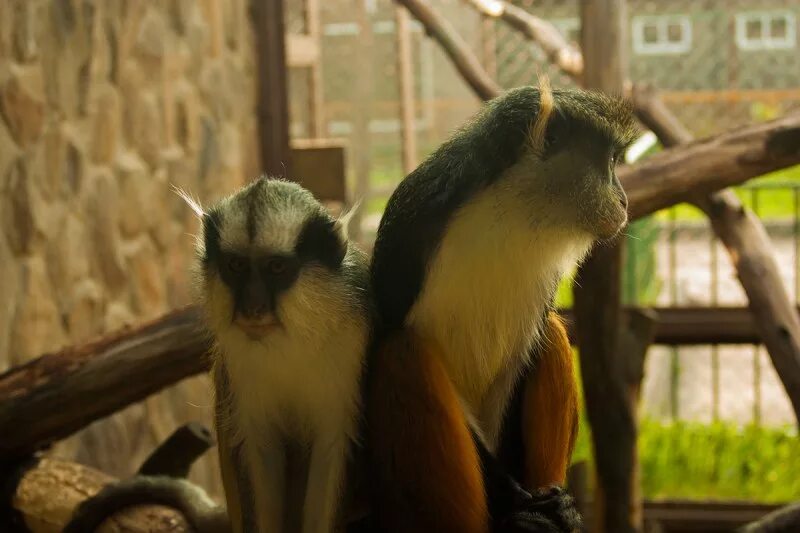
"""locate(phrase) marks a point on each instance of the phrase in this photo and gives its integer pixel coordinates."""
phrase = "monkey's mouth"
(257, 327)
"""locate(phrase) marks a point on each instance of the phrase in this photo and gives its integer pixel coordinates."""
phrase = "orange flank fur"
(423, 453)
(550, 410)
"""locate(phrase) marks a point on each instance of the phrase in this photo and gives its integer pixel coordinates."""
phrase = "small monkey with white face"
(286, 297)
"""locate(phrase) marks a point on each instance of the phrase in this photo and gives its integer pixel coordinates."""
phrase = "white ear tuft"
(343, 222)
(193, 204)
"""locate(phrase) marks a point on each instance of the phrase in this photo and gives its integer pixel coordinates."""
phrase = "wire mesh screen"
(719, 64)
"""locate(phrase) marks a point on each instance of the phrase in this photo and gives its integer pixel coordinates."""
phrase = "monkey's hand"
(549, 510)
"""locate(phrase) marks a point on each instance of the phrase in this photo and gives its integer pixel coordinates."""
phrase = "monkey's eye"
(237, 265)
(278, 265)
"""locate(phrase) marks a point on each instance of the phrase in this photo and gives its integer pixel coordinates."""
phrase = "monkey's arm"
(230, 465)
(200, 511)
(550, 409)
(423, 458)
(541, 426)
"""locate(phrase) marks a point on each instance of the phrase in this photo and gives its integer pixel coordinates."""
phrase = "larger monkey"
(472, 385)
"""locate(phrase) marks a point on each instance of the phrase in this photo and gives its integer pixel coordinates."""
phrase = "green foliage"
(714, 461)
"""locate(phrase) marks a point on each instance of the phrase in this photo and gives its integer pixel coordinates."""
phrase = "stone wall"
(103, 105)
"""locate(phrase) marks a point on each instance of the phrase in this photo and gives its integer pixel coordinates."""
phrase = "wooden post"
(362, 99)
(598, 307)
(273, 103)
(316, 100)
(405, 76)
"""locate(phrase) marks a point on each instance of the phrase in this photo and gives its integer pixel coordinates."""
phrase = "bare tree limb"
(702, 167)
(558, 50)
(437, 27)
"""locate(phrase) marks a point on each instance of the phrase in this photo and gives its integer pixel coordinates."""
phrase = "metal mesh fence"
(718, 64)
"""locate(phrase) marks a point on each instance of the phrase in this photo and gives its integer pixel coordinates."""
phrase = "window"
(765, 30)
(662, 34)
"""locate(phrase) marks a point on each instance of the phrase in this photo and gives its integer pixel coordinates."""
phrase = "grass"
(717, 461)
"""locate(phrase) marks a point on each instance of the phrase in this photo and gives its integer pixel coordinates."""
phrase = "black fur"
(419, 210)
(320, 241)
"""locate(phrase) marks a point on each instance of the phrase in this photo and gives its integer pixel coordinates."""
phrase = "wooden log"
(748, 246)
(57, 394)
(48, 492)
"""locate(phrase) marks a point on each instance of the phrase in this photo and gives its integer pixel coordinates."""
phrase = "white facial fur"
(300, 381)
(488, 286)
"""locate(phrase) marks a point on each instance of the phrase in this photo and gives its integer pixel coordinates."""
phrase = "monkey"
(286, 297)
(201, 513)
(471, 399)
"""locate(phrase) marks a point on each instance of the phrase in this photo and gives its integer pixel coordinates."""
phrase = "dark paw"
(549, 510)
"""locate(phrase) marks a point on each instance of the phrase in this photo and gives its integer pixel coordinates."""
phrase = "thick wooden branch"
(57, 394)
(700, 168)
(437, 27)
(749, 247)
(48, 492)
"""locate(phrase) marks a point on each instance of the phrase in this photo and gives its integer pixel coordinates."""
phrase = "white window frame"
(766, 42)
(663, 46)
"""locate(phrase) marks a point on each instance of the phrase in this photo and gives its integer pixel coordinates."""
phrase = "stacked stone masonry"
(104, 104)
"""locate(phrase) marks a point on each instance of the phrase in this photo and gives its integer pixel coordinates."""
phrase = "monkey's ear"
(343, 222)
(193, 204)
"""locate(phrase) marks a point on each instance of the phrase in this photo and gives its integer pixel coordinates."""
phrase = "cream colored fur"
(487, 288)
(300, 381)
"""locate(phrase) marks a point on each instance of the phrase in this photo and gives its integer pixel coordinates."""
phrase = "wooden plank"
(273, 103)
(319, 166)
(302, 51)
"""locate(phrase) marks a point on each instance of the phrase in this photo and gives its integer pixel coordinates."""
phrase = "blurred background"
(105, 104)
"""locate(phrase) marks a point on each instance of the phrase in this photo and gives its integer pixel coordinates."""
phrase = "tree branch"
(65, 391)
(437, 27)
(558, 50)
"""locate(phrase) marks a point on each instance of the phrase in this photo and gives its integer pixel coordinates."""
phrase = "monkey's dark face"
(573, 164)
(579, 171)
(259, 245)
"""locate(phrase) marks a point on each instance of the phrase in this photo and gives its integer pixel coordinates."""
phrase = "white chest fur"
(487, 286)
(302, 379)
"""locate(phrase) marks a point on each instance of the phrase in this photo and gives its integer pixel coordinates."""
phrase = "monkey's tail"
(200, 511)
